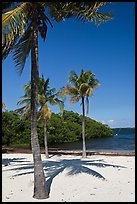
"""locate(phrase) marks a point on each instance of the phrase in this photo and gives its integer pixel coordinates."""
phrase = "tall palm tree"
(46, 95)
(80, 88)
(21, 23)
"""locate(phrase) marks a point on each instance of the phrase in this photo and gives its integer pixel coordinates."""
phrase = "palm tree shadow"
(7, 161)
(50, 176)
(74, 166)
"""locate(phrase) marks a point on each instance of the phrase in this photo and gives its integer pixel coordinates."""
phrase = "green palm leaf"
(60, 103)
(24, 111)
(13, 26)
(88, 12)
(22, 50)
(24, 101)
(73, 78)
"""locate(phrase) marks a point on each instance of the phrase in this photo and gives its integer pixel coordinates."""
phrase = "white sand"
(70, 178)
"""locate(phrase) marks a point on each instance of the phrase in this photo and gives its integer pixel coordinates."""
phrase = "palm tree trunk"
(45, 137)
(40, 188)
(83, 129)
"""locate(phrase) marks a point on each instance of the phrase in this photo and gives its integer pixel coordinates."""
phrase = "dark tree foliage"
(61, 129)
(14, 130)
(68, 128)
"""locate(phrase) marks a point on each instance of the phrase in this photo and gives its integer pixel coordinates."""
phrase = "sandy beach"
(70, 178)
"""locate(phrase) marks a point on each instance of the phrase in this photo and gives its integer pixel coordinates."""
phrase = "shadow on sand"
(7, 161)
(53, 168)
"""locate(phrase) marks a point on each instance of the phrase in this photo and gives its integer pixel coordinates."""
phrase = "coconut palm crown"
(82, 87)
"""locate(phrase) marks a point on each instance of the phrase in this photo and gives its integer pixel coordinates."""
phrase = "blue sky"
(108, 51)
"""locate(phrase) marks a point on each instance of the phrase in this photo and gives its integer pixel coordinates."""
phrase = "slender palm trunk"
(83, 129)
(45, 137)
(40, 188)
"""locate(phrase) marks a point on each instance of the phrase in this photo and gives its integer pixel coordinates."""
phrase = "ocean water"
(121, 141)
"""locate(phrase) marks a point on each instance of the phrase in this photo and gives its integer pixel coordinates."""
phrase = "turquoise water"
(121, 141)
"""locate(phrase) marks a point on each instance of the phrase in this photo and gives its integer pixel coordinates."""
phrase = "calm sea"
(121, 141)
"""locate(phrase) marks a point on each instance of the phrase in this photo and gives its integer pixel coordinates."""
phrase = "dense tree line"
(60, 129)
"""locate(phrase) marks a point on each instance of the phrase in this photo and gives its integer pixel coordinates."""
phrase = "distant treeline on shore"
(124, 130)
(61, 129)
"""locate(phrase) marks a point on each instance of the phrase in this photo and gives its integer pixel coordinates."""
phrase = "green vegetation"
(15, 131)
(60, 129)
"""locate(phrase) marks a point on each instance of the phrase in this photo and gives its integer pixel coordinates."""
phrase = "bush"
(60, 129)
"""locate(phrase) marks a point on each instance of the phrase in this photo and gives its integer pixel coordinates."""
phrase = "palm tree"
(45, 95)
(21, 23)
(82, 87)
(3, 106)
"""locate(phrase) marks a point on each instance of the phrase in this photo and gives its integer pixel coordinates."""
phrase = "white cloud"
(119, 123)
(110, 121)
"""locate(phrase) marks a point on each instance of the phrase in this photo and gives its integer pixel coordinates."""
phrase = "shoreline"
(55, 151)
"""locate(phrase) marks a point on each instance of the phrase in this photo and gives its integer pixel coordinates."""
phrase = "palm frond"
(93, 82)
(27, 89)
(24, 111)
(24, 101)
(3, 105)
(44, 22)
(73, 78)
(62, 92)
(52, 101)
(13, 26)
(50, 93)
(43, 30)
(88, 12)
(68, 91)
(89, 91)
(22, 50)
(88, 75)
(72, 90)
(57, 10)
(60, 103)
(74, 99)
(46, 84)
(46, 112)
